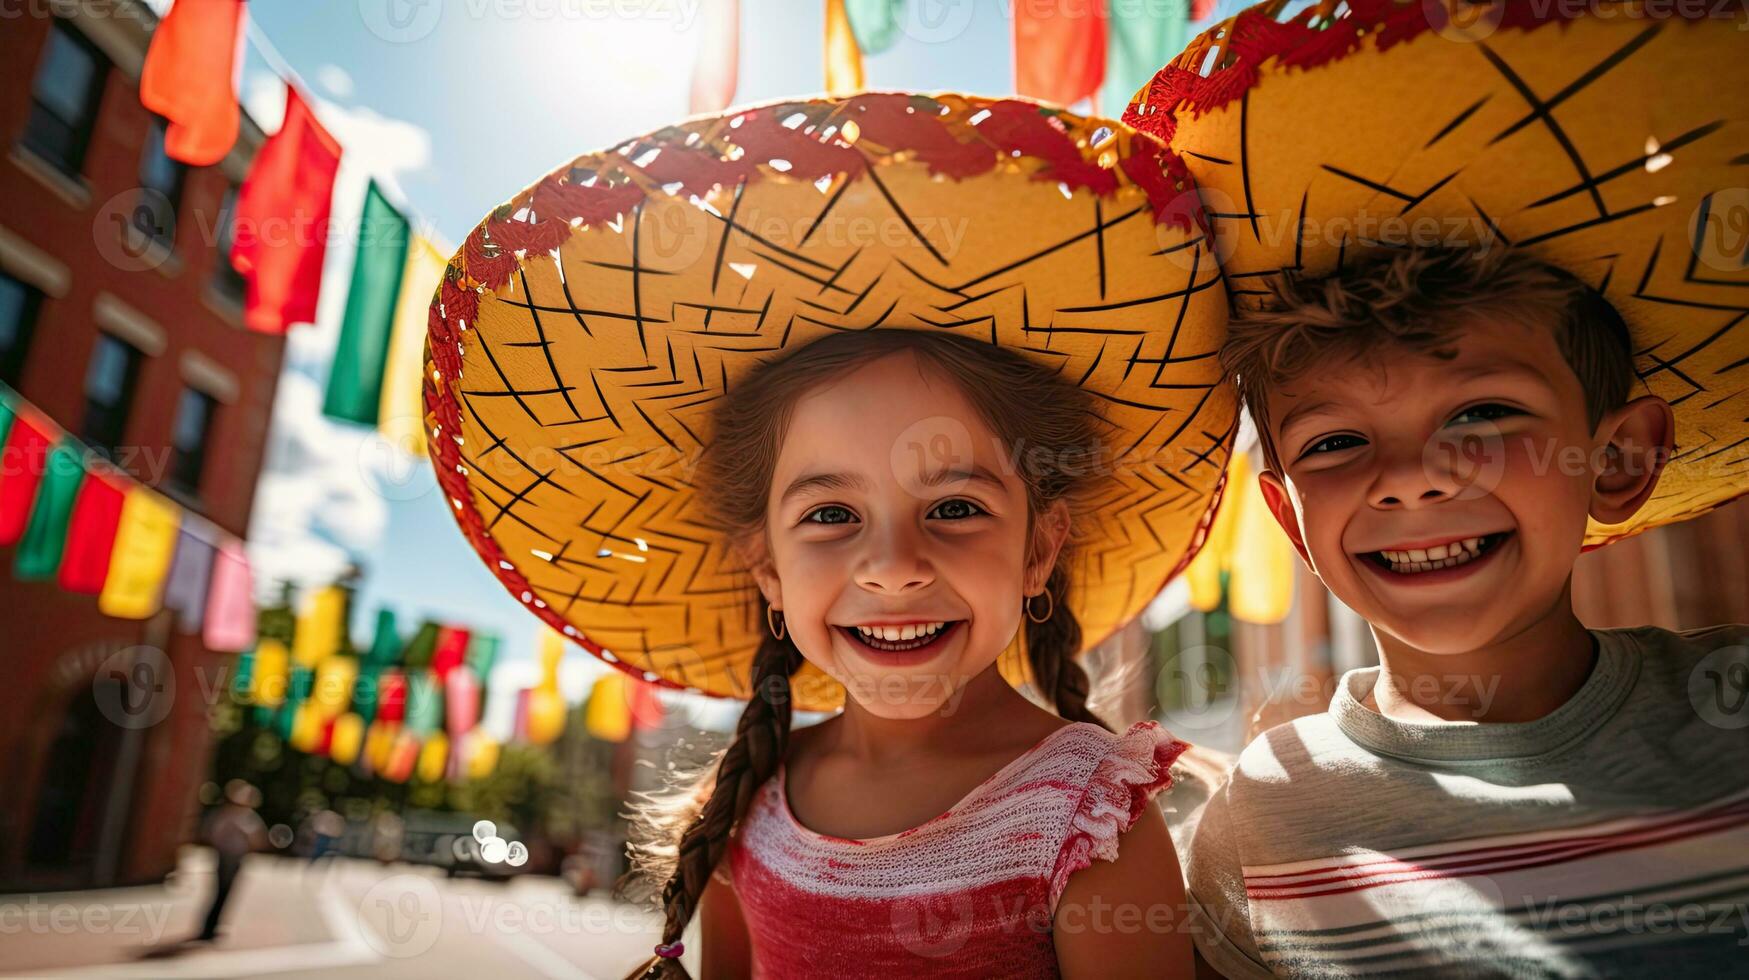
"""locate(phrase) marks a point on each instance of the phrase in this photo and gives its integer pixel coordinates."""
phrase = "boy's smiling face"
(1445, 499)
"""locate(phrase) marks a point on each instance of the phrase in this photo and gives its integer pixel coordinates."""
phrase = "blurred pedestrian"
(233, 830)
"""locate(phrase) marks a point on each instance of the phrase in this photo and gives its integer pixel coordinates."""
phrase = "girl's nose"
(894, 562)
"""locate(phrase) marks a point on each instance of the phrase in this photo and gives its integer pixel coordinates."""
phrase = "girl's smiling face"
(892, 504)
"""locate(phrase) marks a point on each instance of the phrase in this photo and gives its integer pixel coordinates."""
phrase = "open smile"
(910, 644)
(1446, 562)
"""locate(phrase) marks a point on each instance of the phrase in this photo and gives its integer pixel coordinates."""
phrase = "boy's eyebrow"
(1483, 370)
(852, 481)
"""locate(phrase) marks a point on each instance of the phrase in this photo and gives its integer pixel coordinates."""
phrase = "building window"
(18, 308)
(160, 189)
(109, 393)
(194, 421)
(64, 99)
(227, 281)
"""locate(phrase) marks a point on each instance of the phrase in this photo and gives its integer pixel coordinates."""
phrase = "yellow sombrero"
(587, 326)
(1611, 143)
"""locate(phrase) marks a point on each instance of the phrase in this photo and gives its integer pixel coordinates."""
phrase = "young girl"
(914, 502)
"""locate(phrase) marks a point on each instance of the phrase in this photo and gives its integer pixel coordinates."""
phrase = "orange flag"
(282, 218)
(1059, 50)
(187, 78)
(843, 57)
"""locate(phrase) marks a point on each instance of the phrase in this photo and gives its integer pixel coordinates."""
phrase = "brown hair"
(1420, 299)
(684, 836)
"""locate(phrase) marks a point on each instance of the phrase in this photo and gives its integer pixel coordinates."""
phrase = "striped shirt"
(971, 893)
(1608, 838)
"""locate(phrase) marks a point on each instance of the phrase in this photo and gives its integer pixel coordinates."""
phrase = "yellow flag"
(609, 715)
(843, 57)
(332, 693)
(1204, 574)
(1261, 586)
(401, 415)
(482, 754)
(348, 738)
(268, 678)
(318, 631)
(433, 756)
(140, 559)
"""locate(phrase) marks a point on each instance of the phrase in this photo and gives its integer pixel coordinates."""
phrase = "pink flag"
(230, 604)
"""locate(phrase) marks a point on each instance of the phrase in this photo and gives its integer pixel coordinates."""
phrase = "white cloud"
(335, 80)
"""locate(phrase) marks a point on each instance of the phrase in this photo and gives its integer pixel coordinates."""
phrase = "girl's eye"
(1486, 411)
(969, 509)
(840, 515)
(1320, 445)
(847, 517)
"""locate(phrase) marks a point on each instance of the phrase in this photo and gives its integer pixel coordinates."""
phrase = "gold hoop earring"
(1050, 604)
(776, 629)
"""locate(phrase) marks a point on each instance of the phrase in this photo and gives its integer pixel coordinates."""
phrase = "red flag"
(282, 220)
(187, 79)
(91, 535)
(1059, 50)
(452, 648)
(21, 469)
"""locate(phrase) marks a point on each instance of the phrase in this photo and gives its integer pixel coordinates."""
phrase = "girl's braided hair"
(681, 839)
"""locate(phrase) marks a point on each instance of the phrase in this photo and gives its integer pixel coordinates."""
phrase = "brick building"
(122, 321)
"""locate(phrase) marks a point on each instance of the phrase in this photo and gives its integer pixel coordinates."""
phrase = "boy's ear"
(1282, 506)
(1637, 440)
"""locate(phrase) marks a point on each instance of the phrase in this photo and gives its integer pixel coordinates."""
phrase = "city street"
(338, 918)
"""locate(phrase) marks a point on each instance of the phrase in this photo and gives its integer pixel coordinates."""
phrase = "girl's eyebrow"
(852, 481)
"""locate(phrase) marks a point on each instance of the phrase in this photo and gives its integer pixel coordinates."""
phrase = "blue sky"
(456, 105)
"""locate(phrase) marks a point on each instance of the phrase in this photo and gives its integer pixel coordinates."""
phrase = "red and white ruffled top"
(971, 893)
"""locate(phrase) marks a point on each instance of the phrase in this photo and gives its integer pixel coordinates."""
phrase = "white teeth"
(1437, 552)
(910, 631)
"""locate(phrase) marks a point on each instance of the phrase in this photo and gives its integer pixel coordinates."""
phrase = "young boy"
(1508, 792)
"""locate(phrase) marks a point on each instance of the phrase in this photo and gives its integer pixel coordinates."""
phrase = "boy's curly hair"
(1419, 299)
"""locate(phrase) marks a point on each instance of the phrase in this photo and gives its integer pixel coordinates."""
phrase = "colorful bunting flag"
(27, 447)
(401, 414)
(191, 567)
(281, 219)
(187, 79)
(319, 629)
(355, 381)
(875, 23)
(451, 650)
(717, 64)
(45, 537)
(843, 59)
(1143, 35)
(269, 679)
(91, 532)
(140, 563)
(230, 604)
(1059, 51)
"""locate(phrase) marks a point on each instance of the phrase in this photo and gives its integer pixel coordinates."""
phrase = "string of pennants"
(420, 706)
(86, 525)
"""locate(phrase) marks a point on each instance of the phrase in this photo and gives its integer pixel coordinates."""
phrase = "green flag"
(45, 537)
(355, 384)
(874, 22)
(1141, 35)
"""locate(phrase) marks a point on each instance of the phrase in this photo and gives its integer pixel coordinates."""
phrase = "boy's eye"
(1326, 445)
(839, 514)
(1485, 412)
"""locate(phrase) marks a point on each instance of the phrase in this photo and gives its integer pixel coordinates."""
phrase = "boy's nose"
(1411, 477)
